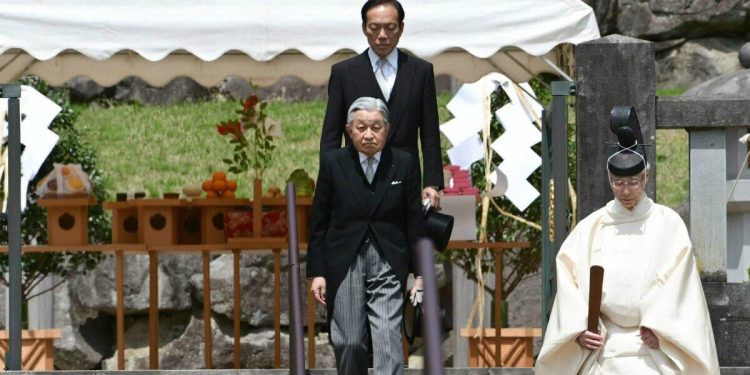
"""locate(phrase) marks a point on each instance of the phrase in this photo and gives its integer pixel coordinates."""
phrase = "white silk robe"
(650, 280)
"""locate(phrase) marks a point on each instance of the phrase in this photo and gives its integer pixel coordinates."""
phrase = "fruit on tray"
(272, 192)
(64, 180)
(219, 187)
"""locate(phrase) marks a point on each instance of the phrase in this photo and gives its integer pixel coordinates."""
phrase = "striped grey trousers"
(370, 294)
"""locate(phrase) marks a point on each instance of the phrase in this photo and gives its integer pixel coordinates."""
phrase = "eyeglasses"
(631, 184)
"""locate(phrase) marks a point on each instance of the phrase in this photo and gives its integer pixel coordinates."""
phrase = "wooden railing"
(154, 245)
(236, 247)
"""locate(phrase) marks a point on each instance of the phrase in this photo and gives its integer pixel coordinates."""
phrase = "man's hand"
(649, 338)
(417, 291)
(318, 289)
(433, 195)
(590, 340)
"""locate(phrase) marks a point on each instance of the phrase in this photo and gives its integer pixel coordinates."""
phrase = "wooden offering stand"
(67, 220)
(158, 220)
(517, 346)
(37, 349)
(125, 223)
(212, 212)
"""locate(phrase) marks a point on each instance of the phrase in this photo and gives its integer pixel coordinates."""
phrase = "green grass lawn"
(159, 149)
(672, 156)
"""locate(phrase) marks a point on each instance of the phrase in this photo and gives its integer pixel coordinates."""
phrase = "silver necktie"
(370, 170)
(380, 76)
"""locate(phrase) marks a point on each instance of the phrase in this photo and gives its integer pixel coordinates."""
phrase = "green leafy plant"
(256, 149)
(70, 148)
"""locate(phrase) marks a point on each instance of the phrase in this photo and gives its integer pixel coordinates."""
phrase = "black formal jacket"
(346, 209)
(412, 106)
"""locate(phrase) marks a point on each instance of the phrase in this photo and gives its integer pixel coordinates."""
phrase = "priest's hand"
(649, 338)
(318, 289)
(590, 340)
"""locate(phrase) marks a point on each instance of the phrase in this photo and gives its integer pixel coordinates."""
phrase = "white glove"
(416, 292)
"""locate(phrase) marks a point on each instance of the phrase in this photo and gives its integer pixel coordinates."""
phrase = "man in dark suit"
(366, 218)
(405, 82)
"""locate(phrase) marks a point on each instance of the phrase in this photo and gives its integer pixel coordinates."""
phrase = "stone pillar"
(613, 70)
(708, 212)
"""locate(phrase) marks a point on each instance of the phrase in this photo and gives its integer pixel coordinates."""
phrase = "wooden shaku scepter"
(595, 297)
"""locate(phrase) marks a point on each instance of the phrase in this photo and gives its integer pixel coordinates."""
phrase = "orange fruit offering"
(207, 185)
(74, 183)
(219, 176)
(231, 185)
(65, 170)
(211, 194)
(219, 185)
(228, 194)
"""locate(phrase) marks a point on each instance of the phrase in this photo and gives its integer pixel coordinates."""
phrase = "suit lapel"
(355, 178)
(364, 78)
(383, 178)
(401, 91)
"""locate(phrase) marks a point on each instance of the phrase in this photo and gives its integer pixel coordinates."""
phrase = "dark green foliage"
(70, 149)
(517, 262)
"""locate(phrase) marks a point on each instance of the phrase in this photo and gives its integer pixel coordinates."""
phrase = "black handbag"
(412, 322)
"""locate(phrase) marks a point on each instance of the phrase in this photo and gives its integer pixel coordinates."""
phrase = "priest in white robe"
(654, 318)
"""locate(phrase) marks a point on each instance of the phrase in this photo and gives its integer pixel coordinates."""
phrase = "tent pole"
(13, 355)
(556, 68)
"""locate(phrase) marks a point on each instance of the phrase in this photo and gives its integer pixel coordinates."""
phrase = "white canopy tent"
(108, 40)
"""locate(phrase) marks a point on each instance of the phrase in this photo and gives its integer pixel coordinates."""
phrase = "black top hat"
(628, 155)
(438, 228)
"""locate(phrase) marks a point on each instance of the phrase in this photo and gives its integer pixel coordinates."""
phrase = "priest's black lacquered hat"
(627, 157)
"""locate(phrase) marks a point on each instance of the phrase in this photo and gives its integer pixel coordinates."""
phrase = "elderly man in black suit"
(366, 219)
(405, 82)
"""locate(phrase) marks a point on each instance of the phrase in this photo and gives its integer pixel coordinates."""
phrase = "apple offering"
(65, 180)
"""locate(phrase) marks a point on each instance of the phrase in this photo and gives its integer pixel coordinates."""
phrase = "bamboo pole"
(277, 307)
(237, 307)
(207, 336)
(478, 306)
(498, 307)
(120, 309)
(153, 311)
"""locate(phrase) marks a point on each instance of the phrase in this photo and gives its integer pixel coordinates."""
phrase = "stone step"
(448, 371)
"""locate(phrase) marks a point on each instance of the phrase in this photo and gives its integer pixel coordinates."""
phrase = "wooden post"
(207, 336)
(257, 208)
(153, 311)
(310, 329)
(498, 306)
(237, 306)
(277, 307)
(120, 309)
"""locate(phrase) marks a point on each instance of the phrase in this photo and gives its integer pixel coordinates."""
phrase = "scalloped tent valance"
(265, 40)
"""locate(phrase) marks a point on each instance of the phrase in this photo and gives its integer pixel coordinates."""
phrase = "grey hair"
(368, 104)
